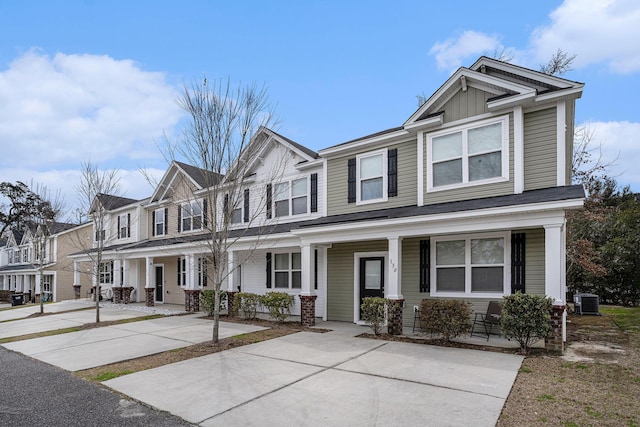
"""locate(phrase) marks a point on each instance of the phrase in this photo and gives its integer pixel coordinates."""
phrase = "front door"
(371, 278)
(159, 283)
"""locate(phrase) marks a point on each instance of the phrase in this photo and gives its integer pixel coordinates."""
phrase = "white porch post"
(554, 261)
(149, 283)
(125, 273)
(5, 283)
(393, 290)
(116, 273)
(38, 290)
(192, 271)
(231, 271)
(76, 273)
(308, 271)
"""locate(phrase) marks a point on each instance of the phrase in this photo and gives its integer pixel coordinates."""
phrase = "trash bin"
(17, 299)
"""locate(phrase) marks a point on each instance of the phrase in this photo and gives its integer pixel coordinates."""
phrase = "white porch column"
(149, 283)
(393, 290)
(76, 273)
(553, 262)
(308, 271)
(192, 271)
(38, 289)
(231, 271)
(26, 283)
(125, 273)
(5, 283)
(116, 273)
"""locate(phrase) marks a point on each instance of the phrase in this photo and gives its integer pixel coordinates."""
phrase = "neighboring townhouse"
(38, 257)
(466, 199)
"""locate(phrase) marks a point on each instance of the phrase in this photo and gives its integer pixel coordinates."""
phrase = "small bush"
(526, 318)
(448, 318)
(278, 304)
(207, 300)
(247, 303)
(374, 310)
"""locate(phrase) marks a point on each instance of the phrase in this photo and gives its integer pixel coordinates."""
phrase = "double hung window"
(123, 226)
(288, 270)
(191, 216)
(159, 222)
(371, 176)
(470, 265)
(469, 155)
(291, 197)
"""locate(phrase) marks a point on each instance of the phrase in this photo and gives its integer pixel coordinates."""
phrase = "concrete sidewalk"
(21, 312)
(330, 379)
(100, 346)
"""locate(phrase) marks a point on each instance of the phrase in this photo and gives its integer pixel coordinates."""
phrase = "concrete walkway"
(21, 312)
(100, 346)
(331, 379)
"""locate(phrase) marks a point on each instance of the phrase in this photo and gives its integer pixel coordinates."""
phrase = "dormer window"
(468, 155)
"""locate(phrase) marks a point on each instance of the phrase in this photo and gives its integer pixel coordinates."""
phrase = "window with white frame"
(105, 272)
(159, 222)
(46, 282)
(202, 271)
(25, 255)
(287, 271)
(472, 265)
(123, 226)
(470, 154)
(371, 177)
(291, 197)
(182, 272)
(191, 216)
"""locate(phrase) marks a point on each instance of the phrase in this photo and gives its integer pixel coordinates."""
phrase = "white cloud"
(59, 111)
(451, 53)
(618, 140)
(596, 31)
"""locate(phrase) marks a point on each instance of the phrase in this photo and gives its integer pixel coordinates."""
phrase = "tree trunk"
(216, 312)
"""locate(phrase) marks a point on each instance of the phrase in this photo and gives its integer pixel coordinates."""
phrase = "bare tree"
(220, 139)
(94, 190)
(559, 63)
(503, 54)
(588, 164)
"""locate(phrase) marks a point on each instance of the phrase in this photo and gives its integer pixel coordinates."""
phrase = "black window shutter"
(225, 206)
(315, 269)
(268, 269)
(178, 270)
(179, 218)
(153, 223)
(166, 220)
(351, 198)
(314, 192)
(268, 201)
(392, 173)
(425, 246)
(517, 262)
(245, 215)
(128, 225)
(205, 217)
(118, 226)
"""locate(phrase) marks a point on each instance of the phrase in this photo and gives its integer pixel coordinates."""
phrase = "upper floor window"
(159, 219)
(25, 255)
(474, 265)
(287, 270)
(191, 215)
(291, 197)
(371, 173)
(469, 155)
(124, 226)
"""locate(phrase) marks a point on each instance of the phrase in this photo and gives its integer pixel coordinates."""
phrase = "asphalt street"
(33, 393)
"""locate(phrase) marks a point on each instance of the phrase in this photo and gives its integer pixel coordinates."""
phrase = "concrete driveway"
(100, 346)
(330, 379)
(20, 312)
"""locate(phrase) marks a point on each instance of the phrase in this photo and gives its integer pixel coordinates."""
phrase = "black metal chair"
(487, 320)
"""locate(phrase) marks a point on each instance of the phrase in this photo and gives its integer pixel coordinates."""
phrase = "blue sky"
(97, 80)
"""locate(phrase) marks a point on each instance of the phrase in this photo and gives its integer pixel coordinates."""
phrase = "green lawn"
(627, 318)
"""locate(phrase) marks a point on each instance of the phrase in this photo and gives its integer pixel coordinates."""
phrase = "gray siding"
(340, 273)
(540, 149)
(407, 182)
(570, 122)
(476, 191)
(473, 102)
(534, 267)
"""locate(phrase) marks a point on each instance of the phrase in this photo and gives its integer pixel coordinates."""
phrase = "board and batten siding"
(337, 190)
(340, 271)
(534, 275)
(540, 149)
(471, 103)
(474, 191)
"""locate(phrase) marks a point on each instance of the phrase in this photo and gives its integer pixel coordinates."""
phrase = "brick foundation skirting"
(308, 310)
(76, 291)
(192, 300)
(394, 319)
(231, 298)
(126, 294)
(117, 295)
(150, 300)
(555, 340)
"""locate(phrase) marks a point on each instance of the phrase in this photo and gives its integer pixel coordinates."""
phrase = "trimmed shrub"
(278, 304)
(207, 300)
(447, 318)
(247, 303)
(526, 318)
(373, 312)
